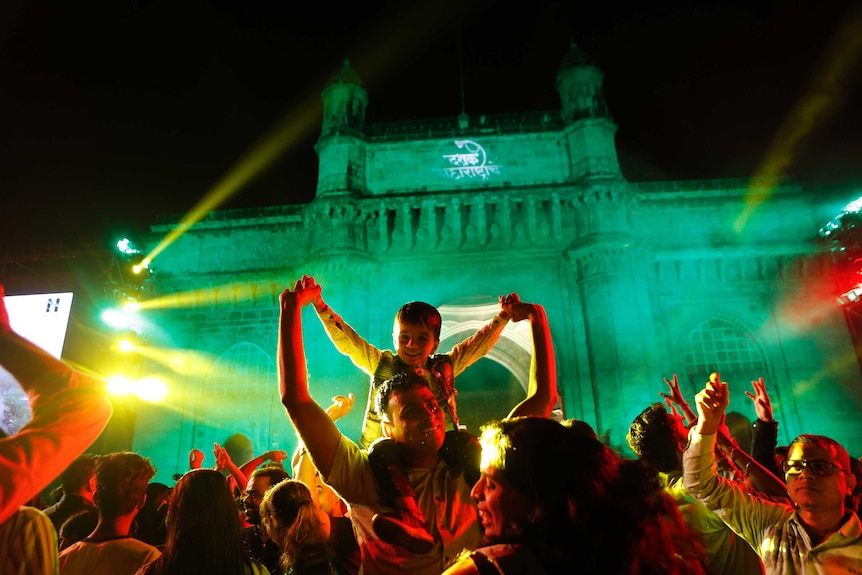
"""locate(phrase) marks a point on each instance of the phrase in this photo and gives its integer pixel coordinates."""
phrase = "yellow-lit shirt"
(372, 360)
(443, 497)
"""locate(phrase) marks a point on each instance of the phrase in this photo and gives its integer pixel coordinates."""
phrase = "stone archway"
(489, 388)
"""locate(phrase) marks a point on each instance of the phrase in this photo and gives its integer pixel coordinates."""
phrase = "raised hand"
(304, 292)
(675, 396)
(673, 410)
(675, 399)
(341, 406)
(221, 456)
(276, 455)
(711, 404)
(507, 303)
(196, 458)
(762, 403)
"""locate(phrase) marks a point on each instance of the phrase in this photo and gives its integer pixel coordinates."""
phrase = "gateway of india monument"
(639, 280)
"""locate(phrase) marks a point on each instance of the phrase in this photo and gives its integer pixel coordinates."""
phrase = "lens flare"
(151, 389)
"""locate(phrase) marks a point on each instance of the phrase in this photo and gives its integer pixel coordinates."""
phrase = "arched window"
(240, 396)
(722, 346)
(726, 347)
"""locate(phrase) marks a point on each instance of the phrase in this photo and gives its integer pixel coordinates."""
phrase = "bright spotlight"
(140, 264)
(117, 319)
(126, 345)
(131, 307)
(120, 385)
(126, 247)
(151, 389)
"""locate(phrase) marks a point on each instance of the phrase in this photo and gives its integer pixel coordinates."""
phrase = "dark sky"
(114, 112)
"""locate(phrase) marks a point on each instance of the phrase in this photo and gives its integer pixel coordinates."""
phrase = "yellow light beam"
(289, 131)
(824, 97)
(394, 42)
(234, 293)
(181, 361)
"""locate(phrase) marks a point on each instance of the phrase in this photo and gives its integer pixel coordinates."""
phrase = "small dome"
(346, 75)
(576, 57)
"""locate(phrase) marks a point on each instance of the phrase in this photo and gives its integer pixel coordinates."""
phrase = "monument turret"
(341, 147)
(589, 127)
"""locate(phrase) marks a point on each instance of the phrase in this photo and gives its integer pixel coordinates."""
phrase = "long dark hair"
(305, 548)
(203, 529)
(592, 509)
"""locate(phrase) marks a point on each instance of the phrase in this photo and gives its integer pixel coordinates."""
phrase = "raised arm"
(341, 405)
(761, 478)
(764, 435)
(274, 455)
(542, 391)
(363, 355)
(317, 431)
(304, 469)
(225, 462)
(742, 511)
(70, 410)
(478, 345)
(676, 400)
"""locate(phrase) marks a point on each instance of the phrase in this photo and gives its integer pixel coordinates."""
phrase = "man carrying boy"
(412, 417)
(415, 336)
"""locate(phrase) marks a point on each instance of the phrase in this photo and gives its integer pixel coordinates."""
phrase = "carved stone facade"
(639, 280)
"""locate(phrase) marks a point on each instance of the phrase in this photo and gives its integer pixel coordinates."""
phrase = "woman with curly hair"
(553, 500)
(293, 521)
(203, 531)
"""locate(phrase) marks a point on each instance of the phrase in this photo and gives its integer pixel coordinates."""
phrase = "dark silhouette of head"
(121, 483)
(290, 516)
(203, 529)
(657, 438)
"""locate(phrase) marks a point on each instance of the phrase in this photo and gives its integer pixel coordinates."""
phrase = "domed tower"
(590, 129)
(344, 103)
(341, 147)
(607, 263)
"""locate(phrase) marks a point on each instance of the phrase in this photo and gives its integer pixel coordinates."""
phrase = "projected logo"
(43, 319)
(471, 163)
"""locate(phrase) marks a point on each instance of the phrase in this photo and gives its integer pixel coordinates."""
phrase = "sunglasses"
(819, 467)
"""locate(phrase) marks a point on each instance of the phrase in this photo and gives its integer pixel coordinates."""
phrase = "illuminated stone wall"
(640, 280)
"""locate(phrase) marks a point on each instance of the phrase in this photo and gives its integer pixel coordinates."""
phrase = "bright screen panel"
(43, 319)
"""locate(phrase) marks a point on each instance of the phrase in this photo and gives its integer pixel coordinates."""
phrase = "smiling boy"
(413, 419)
(415, 337)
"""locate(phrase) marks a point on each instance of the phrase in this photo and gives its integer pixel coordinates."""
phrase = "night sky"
(115, 112)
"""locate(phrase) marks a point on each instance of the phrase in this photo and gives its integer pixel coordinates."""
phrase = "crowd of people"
(417, 493)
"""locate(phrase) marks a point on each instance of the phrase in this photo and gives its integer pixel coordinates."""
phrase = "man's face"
(812, 492)
(252, 498)
(415, 419)
(502, 508)
(413, 342)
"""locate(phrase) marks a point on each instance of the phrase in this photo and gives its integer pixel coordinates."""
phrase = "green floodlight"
(119, 319)
(126, 246)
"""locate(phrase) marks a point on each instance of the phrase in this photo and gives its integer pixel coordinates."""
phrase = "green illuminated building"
(640, 280)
